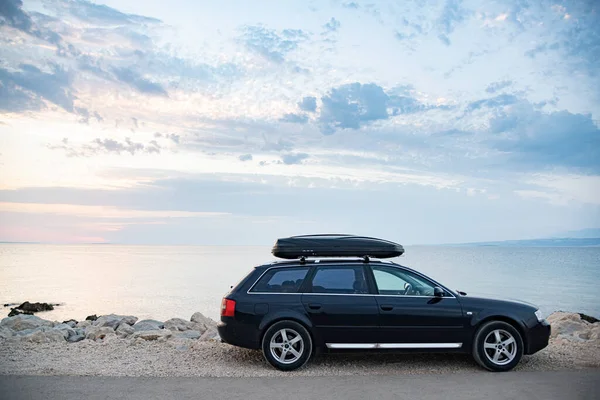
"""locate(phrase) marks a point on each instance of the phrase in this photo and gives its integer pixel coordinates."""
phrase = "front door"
(410, 316)
(338, 302)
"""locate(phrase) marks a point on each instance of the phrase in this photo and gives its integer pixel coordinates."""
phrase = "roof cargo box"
(335, 246)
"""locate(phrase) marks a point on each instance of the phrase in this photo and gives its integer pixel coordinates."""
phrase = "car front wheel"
(498, 346)
(287, 345)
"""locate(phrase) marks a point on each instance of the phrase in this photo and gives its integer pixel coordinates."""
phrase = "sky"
(238, 122)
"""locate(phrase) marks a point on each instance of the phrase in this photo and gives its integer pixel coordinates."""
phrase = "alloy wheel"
(286, 346)
(500, 347)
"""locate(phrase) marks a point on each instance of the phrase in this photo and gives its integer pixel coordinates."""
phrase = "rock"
(202, 323)
(99, 333)
(22, 322)
(75, 338)
(83, 324)
(14, 311)
(72, 323)
(210, 334)
(187, 334)
(91, 317)
(41, 336)
(113, 320)
(148, 325)
(570, 326)
(588, 318)
(5, 333)
(178, 324)
(26, 332)
(65, 329)
(125, 330)
(156, 334)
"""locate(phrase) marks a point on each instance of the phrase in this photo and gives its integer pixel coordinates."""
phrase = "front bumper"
(538, 337)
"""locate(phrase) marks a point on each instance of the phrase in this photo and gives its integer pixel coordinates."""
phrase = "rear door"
(410, 316)
(338, 302)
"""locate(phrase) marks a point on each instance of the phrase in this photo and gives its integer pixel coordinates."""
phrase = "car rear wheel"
(498, 346)
(287, 345)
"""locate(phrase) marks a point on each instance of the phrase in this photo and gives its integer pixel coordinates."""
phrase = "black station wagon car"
(335, 301)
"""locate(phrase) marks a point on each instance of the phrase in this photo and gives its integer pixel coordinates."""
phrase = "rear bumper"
(238, 334)
(538, 337)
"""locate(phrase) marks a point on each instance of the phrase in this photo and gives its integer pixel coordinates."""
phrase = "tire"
(297, 351)
(497, 346)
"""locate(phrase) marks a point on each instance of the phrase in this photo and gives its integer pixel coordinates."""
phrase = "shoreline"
(111, 349)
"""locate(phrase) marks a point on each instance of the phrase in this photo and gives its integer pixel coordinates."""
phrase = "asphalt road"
(513, 385)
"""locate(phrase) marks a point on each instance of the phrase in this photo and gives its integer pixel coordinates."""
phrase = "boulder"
(113, 320)
(26, 332)
(72, 323)
(187, 335)
(202, 323)
(156, 334)
(99, 333)
(148, 325)
(5, 333)
(83, 324)
(41, 336)
(65, 329)
(178, 324)
(75, 338)
(572, 327)
(22, 322)
(28, 308)
(125, 330)
(91, 317)
(210, 334)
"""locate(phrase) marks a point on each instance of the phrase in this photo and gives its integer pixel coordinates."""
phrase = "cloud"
(171, 136)
(452, 14)
(108, 212)
(294, 118)
(497, 86)
(294, 158)
(29, 85)
(493, 102)
(541, 140)
(354, 105)
(99, 13)
(135, 80)
(106, 146)
(333, 25)
(308, 104)
(245, 157)
(271, 45)
(11, 13)
(351, 5)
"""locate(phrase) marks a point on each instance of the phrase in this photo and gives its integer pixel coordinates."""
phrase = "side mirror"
(438, 291)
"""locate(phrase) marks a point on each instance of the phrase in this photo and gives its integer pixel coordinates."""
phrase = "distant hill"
(590, 233)
(554, 242)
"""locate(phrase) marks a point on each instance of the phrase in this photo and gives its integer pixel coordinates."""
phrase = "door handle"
(314, 306)
(386, 307)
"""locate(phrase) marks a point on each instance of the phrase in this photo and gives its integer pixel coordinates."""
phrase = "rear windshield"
(281, 280)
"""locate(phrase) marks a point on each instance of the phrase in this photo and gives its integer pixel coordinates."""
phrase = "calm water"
(175, 281)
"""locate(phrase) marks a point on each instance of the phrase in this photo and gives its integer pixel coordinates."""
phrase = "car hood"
(493, 300)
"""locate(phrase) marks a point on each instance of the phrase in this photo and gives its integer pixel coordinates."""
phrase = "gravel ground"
(119, 357)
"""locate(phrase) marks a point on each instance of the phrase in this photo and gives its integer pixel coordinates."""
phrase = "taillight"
(227, 308)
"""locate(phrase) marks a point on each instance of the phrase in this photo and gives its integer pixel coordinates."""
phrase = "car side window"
(339, 280)
(281, 280)
(396, 281)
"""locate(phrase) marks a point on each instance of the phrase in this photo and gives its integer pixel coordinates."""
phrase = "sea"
(163, 282)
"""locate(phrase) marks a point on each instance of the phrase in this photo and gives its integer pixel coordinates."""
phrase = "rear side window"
(339, 280)
(281, 280)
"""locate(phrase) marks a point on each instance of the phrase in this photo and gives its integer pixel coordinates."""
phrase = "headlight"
(538, 314)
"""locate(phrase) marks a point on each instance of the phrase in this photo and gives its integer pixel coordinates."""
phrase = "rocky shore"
(119, 345)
